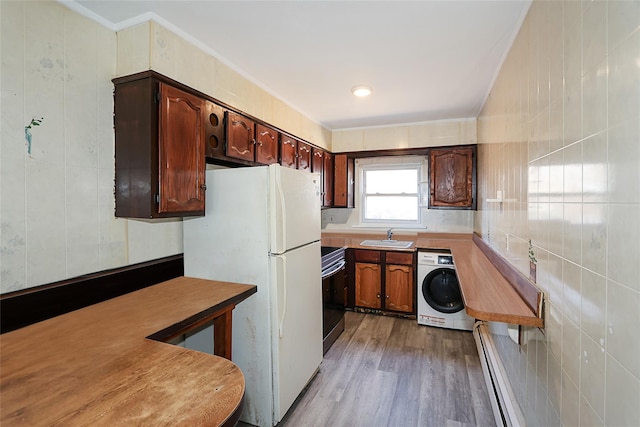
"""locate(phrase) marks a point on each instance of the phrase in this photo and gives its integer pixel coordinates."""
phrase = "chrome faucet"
(389, 234)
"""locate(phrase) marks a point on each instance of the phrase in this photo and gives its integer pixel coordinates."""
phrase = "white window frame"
(389, 164)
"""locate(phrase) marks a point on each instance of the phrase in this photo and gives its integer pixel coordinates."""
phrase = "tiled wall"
(57, 204)
(559, 135)
(426, 134)
(152, 46)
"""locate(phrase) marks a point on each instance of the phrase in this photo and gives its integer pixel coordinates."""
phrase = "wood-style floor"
(385, 371)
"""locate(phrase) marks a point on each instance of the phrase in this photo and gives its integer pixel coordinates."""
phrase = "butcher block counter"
(491, 289)
(97, 366)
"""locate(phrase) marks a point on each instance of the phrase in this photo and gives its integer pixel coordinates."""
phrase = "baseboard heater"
(505, 408)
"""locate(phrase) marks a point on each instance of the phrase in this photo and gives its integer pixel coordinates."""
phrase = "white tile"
(623, 18)
(594, 33)
(588, 416)
(572, 232)
(570, 350)
(624, 81)
(594, 298)
(572, 84)
(570, 411)
(622, 391)
(623, 245)
(572, 289)
(572, 188)
(592, 374)
(623, 151)
(594, 99)
(595, 169)
(594, 236)
(555, 383)
(623, 323)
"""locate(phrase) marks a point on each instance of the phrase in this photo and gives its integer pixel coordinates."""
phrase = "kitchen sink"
(399, 244)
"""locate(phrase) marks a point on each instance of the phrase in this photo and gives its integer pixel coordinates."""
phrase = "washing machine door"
(441, 290)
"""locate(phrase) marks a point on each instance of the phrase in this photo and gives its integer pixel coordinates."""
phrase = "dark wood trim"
(25, 307)
(420, 151)
(529, 293)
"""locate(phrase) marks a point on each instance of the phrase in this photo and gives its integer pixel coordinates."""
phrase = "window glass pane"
(391, 208)
(392, 181)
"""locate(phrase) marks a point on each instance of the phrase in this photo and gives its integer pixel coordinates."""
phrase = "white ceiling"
(425, 60)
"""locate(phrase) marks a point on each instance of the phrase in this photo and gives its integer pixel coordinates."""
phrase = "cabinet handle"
(203, 187)
(260, 143)
(378, 295)
(387, 296)
(253, 141)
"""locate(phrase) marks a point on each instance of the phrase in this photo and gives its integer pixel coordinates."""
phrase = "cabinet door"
(399, 286)
(288, 152)
(240, 140)
(343, 195)
(327, 175)
(452, 178)
(181, 151)
(317, 165)
(266, 145)
(214, 128)
(368, 285)
(304, 156)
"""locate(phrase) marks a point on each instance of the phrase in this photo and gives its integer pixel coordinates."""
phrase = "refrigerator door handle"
(284, 297)
(282, 237)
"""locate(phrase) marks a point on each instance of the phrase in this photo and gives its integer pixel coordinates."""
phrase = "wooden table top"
(486, 293)
(95, 366)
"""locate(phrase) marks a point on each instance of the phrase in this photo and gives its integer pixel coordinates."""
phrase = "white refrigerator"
(262, 227)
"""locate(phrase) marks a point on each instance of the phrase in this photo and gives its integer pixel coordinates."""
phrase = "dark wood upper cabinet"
(327, 175)
(240, 137)
(266, 145)
(343, 194)
(159, 149)
(288, 152)
(304, 156)
(322, 163)
(182, 177)
(452, 178)
(214, 130)
(317, 160)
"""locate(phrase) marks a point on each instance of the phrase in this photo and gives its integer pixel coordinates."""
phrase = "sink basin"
(400, 244)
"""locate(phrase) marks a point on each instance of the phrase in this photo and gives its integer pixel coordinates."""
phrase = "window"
(390, 193)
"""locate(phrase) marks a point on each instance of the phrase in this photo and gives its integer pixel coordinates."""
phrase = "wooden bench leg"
(222, 334)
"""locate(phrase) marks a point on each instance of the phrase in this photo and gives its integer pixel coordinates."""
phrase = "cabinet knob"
(253, 141)
(387, 296)
(378, 295)
(203, 186)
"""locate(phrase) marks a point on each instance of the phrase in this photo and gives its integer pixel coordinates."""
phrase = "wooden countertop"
(487, 294)
(95, 366)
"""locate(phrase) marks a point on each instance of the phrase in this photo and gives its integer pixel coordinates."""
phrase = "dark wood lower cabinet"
(383, 280)
(368, 285)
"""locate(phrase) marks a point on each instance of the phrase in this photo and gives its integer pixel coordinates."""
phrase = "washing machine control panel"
(433, 258)
(445, 260)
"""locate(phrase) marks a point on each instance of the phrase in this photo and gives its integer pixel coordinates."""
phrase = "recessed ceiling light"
(361, 91)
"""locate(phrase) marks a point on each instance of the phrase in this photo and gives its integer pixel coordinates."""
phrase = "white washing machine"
(439, 299)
